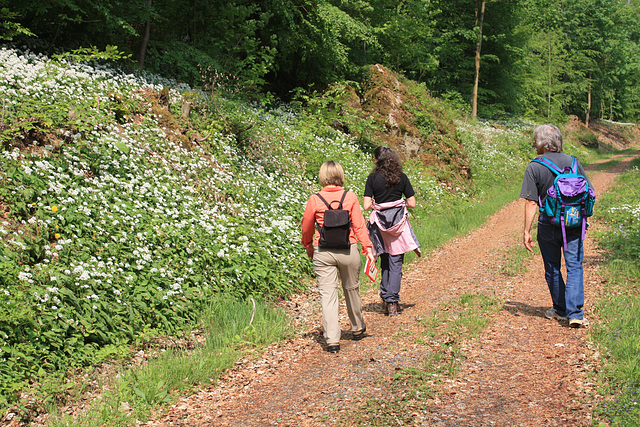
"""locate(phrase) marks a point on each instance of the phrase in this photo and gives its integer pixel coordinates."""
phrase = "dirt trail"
(523, 370)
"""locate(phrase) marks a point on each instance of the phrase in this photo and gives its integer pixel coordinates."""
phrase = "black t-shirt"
(376, 188)
(538, 178)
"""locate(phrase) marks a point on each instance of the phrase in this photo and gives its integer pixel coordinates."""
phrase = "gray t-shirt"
(538, 178)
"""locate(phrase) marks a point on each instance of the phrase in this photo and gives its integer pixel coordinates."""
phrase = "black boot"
(392, 308)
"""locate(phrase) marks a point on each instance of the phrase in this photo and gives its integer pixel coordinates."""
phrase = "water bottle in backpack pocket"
(570, 199)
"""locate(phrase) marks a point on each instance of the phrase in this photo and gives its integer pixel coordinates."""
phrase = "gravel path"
(523, 370)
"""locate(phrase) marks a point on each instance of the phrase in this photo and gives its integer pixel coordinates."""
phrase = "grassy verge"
(617, 335)
(231, 328)
(515, 258)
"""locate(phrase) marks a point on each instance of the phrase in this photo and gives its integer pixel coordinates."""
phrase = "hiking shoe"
(551, 314)
(333, 348)
(357, 336)
(576, 323)
(392, 308)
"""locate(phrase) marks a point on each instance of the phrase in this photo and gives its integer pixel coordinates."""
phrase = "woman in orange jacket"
(328, 262)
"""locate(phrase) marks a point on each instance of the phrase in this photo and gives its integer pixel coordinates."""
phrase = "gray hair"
(548, 137)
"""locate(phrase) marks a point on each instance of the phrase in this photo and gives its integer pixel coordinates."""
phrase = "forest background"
(532, 58)
(156, 158)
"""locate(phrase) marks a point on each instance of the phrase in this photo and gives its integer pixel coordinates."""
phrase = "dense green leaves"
(540, 58)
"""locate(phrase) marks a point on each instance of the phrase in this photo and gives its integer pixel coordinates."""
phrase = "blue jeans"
(391, 266)
(568, 298)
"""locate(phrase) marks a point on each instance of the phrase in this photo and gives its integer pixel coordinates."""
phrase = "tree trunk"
(474, 95)
(193, 31)
(549, 94)
(588, 107)
(611, 107)
(588, 103)
(145, 37)
(602, 101)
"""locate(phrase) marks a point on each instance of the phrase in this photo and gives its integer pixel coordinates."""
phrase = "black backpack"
(334, 233)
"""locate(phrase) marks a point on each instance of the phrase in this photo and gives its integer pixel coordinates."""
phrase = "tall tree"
(145, 37)
(478, 25)
(540, 74)
(406, 33)
(319, 41)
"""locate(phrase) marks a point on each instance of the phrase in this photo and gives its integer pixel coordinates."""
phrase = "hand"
(528, 241)
(310, 251)
(370, 256)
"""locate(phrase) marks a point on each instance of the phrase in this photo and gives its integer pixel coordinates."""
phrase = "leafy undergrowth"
(113, 232)
(618, 335)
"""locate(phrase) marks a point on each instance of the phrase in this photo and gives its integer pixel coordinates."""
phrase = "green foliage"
(539, 58)
(86, 54)
(9, 28)
(569, 54)
(618, 333)
(177, 60)
(407, 45)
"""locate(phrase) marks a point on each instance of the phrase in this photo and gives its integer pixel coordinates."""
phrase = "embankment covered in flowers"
(116, 224)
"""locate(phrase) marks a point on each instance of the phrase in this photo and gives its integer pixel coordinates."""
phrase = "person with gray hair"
(567, 297)
(547, 138)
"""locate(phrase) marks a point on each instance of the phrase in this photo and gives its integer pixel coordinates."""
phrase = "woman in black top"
(388, 186)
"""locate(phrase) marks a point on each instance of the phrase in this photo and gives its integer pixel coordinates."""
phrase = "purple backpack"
(570, 199)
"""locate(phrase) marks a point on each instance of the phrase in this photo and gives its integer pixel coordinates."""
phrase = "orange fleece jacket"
(314, 212)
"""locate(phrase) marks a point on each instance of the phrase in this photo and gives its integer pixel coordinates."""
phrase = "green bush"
(618, 333)
(119, 227)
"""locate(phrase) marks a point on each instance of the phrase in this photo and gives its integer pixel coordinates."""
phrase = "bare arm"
(411, 202)
(530, 209)
(367, 203)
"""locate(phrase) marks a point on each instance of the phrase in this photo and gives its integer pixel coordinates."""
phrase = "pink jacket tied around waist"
(390, 230)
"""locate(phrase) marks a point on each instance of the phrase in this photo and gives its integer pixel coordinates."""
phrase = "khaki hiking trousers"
(327, 263)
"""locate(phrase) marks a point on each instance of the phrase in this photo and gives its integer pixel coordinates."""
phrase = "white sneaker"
(551, 314)
(576, 323)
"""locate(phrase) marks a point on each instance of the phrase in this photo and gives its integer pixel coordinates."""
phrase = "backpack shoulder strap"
(329, 204)
(574, 166)
(549, 164)
(325, 202)
(342, 199)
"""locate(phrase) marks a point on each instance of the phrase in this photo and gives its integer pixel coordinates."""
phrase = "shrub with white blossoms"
(117, 229)
(621, 211)
(138, 231)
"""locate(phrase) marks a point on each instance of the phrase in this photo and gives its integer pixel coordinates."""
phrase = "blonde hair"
(331, 173)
